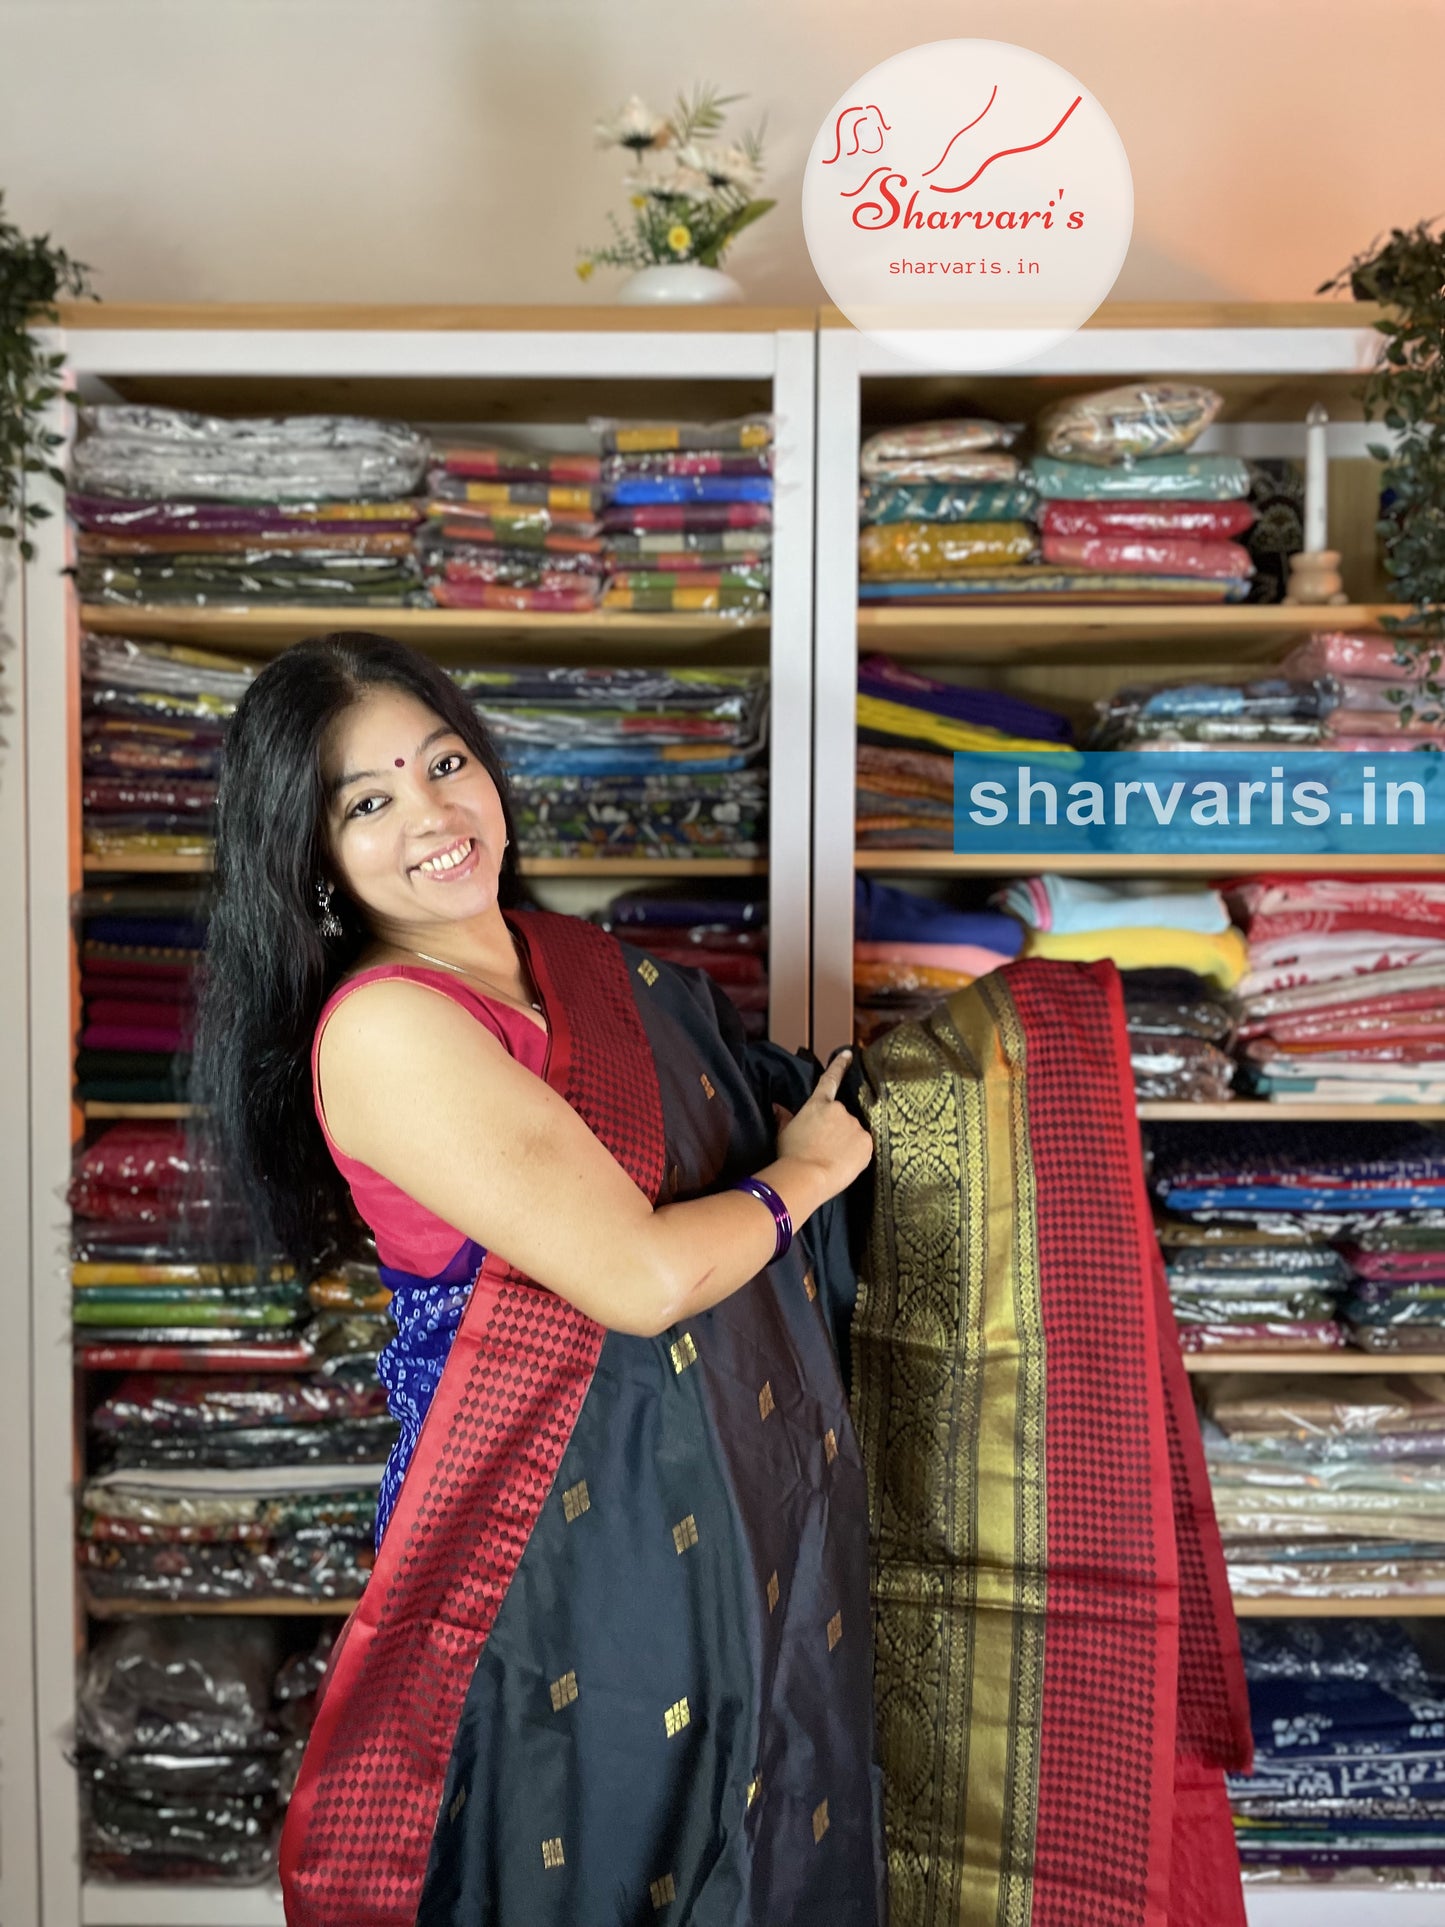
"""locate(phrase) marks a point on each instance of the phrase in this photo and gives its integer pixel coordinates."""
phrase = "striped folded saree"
(613, 1663)
(1057, 1673)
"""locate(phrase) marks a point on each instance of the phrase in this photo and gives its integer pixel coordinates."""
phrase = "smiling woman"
(614, 1368)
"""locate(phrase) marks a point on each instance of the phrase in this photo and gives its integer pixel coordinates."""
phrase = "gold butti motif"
(676, 1718)
(707, 1084)
(663, 1891)
(820, 1821)
(552, 1855)
(765, 1399)
(835, 1630)
(647, 970)
(684, 1353)
(949, 1410)
(575, 1501)
(684, 1533)
(772, 1590)
(830, 1445)
(563, 1691)
(810, 1284)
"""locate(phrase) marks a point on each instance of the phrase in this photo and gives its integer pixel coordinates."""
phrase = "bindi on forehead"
(401, 762)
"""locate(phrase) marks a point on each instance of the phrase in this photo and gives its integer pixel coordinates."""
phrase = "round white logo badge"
(968, 203)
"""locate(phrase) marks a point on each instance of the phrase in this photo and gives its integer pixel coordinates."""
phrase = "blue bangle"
(765, 1194)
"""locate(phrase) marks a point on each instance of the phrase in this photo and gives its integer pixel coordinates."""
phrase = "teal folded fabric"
(945, 502)
(1195, 478)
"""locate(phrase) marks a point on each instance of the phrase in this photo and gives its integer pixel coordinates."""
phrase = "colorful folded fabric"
(1221, 958)
(945, 502)
(937, 549)
(1148, 554)
(638, 438)
(1206, 521)
(1115, 427)
(1200, 478)
(1071, 906)
(931, 451)
(1026, 583)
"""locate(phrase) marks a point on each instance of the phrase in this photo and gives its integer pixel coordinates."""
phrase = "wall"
(441, 150)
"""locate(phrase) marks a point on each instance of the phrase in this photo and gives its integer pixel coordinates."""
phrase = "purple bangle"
(765, 1194)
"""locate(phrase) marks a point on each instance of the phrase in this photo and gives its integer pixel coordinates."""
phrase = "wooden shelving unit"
(505, 368)
(1270, 364)
(1166, 638)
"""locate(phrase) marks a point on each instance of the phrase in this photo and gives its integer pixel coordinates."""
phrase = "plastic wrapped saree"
(1057, 1673)
(613, 1662)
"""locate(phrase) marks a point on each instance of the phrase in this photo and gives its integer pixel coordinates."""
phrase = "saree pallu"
(1057, 1670)
(614, 1661)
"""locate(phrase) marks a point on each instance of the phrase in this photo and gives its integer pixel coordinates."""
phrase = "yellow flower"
(584, 270)
(679, 238)
(639, 200)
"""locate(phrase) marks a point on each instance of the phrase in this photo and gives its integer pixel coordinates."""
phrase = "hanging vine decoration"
(33, 274)
(1405, 274)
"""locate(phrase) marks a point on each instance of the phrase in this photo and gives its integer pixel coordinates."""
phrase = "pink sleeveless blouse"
(408, 1237)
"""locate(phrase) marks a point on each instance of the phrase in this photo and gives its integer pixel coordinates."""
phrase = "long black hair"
(269, 969)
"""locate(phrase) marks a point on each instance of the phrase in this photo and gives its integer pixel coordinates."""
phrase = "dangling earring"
(328, 923)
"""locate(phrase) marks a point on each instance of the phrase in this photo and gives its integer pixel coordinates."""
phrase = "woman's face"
(414, 821)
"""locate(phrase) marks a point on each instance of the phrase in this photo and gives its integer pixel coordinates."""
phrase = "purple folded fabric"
(987, 708)
(104, 515)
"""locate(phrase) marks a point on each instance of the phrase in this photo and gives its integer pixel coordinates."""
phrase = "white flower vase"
(678, 284)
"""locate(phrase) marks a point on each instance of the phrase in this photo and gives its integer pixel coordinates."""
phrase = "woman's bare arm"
(421, 1092)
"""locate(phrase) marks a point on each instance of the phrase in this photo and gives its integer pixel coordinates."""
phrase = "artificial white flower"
(672, 183)
(721, 166)
(634, 125)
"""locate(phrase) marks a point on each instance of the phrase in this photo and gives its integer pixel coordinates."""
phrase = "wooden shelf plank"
(219, 1608)
(945, 863)
(179, 1903)
(1291, 1364)
(1164, 636)
(532, 866)
(1296, 1606)
(578, 317)
(454, 634)
(1242, 1110)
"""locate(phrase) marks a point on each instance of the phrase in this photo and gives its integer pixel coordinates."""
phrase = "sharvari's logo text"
(940, 147)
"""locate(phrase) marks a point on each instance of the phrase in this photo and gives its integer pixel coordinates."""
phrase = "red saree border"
(1106, 1755)
(358, 1831)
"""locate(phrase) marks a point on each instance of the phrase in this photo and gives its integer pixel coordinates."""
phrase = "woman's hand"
(825, 1133)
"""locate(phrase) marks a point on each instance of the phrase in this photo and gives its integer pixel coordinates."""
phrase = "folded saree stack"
(153, 719)
(1128, 513)
(1330, 1488)
(944, 510)
(1344, 999)
(1381, 691)
(725, 936)
(1305, 1202)
(1273, 712)
(1349, 1756)
(514, 528)
(687, 515)
(227, 1476)
(1179, 959)
(180, 1730)
(911, 951)
(909, 726)
(636, 762)
(142, 950)
(173, 507)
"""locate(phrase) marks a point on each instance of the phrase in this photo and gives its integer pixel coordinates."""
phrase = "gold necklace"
(461, 971)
